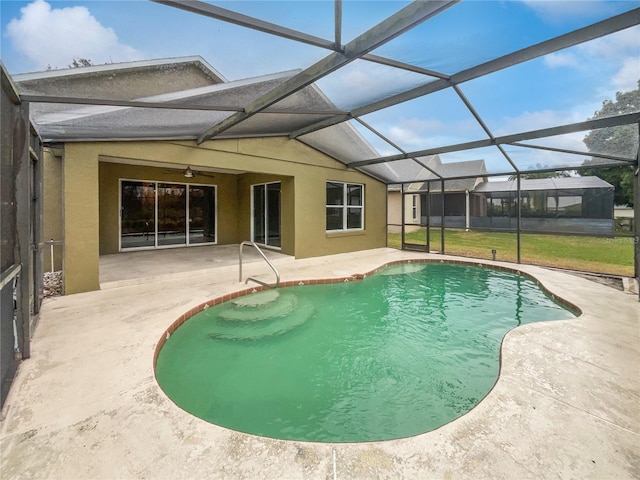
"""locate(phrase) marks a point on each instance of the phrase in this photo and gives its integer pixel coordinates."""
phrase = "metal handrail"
(275, 270)
(9, 274)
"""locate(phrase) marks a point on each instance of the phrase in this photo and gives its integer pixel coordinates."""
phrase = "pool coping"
(87, 405)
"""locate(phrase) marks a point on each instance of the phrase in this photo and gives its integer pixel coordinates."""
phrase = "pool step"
(258, 299)
(402, 269)
(259, 318)
(281, 305)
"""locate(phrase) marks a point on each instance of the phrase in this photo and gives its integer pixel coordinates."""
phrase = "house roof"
(178, 81)
(472, 170)
(110, 68)
(559, 183)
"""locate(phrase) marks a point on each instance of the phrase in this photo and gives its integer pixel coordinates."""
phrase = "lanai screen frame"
(361, 47)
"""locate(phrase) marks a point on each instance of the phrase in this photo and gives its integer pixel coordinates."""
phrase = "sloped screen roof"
(382, 87)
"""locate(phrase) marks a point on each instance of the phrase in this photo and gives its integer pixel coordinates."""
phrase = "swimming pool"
(399, 353)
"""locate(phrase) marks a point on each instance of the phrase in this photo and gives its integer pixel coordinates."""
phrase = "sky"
(564, 87)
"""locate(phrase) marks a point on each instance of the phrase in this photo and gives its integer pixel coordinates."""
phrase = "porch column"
(81, 219)
(466, 211)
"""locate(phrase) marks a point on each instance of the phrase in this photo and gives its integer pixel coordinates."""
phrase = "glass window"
(345, 205)
(155, 215)
(335, 193)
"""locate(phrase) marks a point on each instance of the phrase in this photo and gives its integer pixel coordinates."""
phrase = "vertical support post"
(466, 210)
(636, 218)
(442, 217)
(519, 218)
(81, 218)
(428, 216)
(338, 23)
(402, 221)
(21, 166)
(35, 155)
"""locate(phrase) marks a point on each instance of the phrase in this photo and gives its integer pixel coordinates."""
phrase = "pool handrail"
(275, 270)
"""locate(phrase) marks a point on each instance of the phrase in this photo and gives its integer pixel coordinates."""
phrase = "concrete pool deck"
(86, 404)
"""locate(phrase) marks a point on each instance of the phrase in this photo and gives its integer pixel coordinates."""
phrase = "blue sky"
(560, 88)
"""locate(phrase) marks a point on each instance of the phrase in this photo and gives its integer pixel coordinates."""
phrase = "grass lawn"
(591, 254)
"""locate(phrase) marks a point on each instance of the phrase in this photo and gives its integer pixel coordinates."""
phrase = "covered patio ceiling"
(409, 69)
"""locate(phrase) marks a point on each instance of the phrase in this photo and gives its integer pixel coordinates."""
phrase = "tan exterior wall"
(111, 173)
(81, 219)
(287, 208)
(394, 215)
(394, 211)
(91, 195)
(52, 219)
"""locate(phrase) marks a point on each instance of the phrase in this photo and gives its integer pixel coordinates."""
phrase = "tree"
(80, 62)
(534, 174)
(619, 141)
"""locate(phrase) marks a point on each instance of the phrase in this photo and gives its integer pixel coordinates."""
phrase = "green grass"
(590, 254)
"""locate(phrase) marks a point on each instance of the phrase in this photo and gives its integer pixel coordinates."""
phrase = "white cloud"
(627, 77)
(617, 57)
(616, 46)
(528, 121)
(55, 36)
(363, 82)
(554, 11)
(414, 133)
(556, 60)
(613, 61)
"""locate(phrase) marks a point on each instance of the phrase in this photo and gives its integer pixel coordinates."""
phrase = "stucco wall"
(52, 218)
(91, 195)
(287, 208)
(81, 218)
(111, 173)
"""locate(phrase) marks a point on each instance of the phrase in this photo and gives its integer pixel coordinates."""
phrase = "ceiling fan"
(190, 173)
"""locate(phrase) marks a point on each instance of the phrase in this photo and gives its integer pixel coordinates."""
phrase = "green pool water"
(400, 353)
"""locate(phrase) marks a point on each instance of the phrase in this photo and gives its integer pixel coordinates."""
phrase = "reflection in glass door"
(266, 214)
(138, 214)
(202, 215)
(155, 214)
(172, 214)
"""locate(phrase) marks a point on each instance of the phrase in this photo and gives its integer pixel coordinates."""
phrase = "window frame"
(345, 207)
(157, 246)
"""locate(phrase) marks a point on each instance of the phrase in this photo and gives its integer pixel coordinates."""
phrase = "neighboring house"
(121, 177)
(559, 205)
(624, 219)
(423, 199)
(556, 205)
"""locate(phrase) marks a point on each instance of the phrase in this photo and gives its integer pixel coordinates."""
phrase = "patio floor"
(86, 404)
(143, 266)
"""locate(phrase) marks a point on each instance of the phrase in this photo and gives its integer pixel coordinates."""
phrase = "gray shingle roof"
(473, 169)
(560, 183)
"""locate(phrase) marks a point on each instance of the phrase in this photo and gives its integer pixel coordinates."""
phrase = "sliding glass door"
(265, 213)
(172, 214)
(156, 214)
(202, 214)
(137, 214)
